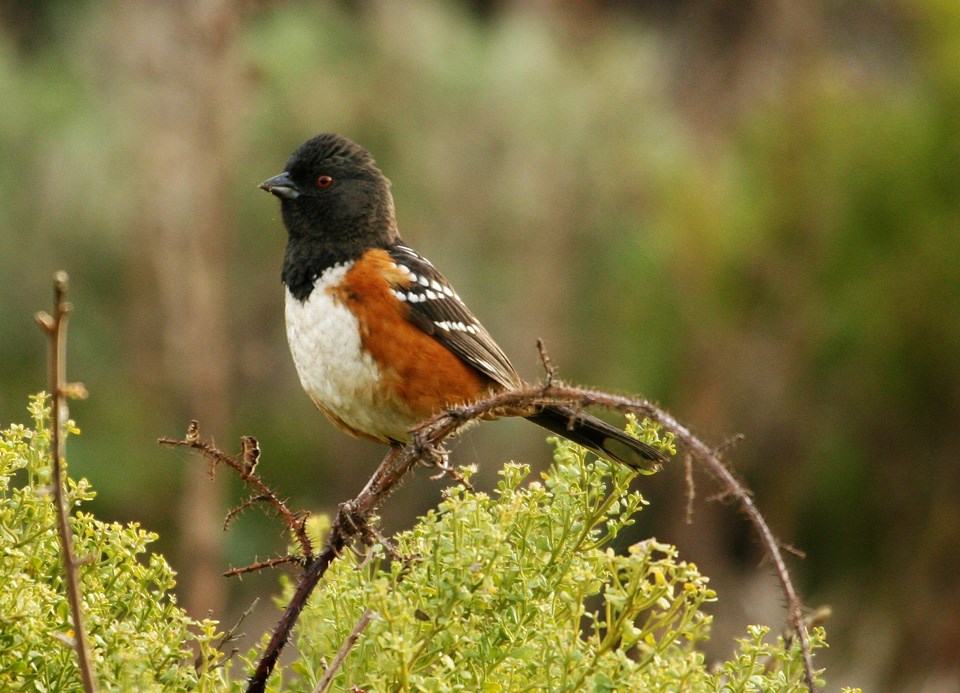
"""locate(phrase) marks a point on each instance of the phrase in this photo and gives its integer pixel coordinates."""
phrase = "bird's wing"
(437, 310)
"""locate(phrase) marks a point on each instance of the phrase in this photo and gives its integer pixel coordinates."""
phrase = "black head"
(331, 191)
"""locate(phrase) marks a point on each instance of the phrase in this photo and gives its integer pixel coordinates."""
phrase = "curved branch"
(425, 445)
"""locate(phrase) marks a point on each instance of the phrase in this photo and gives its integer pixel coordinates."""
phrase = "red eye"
(324, 181)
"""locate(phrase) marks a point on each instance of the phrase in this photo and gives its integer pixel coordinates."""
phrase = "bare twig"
(352, 519)
(331, 671)
(548, 368)
(228, 637)
(55, 327)
(728, 444)
(691, 487)
(263, 565)
(234, 512)
(350, 522)
(244, 464)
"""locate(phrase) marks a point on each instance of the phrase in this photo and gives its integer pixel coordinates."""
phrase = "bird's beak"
(282, 186)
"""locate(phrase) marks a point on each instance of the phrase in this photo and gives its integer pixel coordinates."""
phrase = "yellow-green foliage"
(518, 590)
(521, 590)
(140, 639)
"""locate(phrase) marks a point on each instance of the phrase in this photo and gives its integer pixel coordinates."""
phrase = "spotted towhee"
(380, 339)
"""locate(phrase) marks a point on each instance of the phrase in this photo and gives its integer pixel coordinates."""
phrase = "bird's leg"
(350, 519)
(438, 457)
(353, 515)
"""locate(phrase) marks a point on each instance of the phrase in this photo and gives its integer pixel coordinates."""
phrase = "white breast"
(334, 369)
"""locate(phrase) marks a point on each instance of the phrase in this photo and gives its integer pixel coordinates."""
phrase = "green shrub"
(518, 590)
(140, 640)
(521, 590)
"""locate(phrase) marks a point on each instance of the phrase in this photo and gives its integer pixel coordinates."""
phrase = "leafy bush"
(522, 590)
(516, 590)
(139, 638)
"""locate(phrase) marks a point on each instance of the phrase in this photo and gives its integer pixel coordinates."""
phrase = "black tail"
(599, 437)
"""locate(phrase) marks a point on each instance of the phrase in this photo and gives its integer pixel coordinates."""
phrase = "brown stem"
(331, 670)
(55, 328)
(263, 565)
(351, 518)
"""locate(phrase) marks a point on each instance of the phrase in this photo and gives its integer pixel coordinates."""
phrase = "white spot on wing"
(415, 254)
(485, 365)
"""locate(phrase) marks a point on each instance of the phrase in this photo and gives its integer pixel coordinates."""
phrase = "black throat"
(305, 259)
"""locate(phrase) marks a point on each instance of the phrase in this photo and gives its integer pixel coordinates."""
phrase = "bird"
(380, 339)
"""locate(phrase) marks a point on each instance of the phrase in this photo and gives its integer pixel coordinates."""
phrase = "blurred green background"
(745, 210)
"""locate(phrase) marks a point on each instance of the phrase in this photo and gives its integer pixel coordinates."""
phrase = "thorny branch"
(245, 464)
(353, 516)
(55, 327)
(263, 565)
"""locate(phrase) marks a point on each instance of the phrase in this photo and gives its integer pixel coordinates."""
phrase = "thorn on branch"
(548, 368)
(793, 550)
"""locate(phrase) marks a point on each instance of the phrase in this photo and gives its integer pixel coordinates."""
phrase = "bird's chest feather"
(362, 361)
(336, 371)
